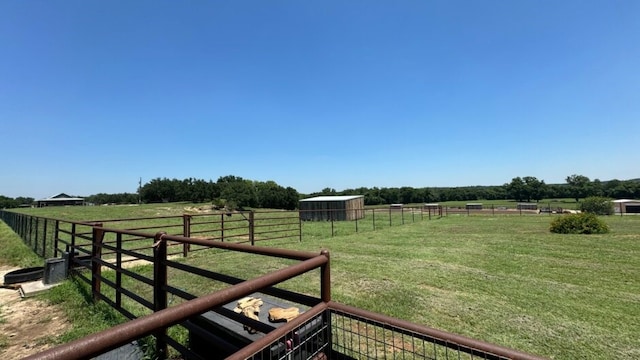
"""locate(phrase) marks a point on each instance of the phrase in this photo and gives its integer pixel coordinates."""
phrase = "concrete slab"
(27, 289)
(34, 288)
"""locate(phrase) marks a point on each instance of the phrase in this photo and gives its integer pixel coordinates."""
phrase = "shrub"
(597, 205)
(583, 223)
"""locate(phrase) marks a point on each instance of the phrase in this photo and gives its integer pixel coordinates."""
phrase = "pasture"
(502, 279)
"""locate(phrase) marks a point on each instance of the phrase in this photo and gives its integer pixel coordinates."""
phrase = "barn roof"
(333, 198)
(61, 197)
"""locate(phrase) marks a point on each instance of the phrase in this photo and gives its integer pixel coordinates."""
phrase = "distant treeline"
(236, 192)
(527, 188)
(8, 203)
(231, 191)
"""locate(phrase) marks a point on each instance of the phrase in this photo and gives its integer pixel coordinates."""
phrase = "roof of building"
(61, 197)
(333, 198)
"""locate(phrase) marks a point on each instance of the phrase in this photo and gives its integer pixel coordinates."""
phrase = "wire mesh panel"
(311, 340)
(340, 335)
(355, 337)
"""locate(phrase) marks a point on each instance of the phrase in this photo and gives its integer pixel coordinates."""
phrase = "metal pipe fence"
(49, 237)
(326, 330)
(156, 324)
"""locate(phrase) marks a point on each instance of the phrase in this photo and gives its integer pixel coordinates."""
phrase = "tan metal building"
(338, 208)
(626, 206)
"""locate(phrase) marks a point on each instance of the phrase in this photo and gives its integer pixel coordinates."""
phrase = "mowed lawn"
(502, 279)
(506, 280)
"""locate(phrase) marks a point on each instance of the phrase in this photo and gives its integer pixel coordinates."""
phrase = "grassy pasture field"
(502, 279)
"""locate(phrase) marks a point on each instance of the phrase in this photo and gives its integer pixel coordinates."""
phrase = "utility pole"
(139, 190)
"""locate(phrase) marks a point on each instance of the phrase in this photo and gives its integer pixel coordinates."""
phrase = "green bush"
(597, 205)
(583, 223)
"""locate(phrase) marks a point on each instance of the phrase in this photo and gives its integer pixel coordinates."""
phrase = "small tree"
(597, 205)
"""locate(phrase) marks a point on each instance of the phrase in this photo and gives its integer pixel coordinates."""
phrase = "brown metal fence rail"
(38, 233)
(50, 237)
(156, 324)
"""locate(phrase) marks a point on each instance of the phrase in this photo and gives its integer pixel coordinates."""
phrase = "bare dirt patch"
(27, 326)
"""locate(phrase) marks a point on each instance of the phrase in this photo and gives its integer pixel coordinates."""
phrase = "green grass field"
(502, 279)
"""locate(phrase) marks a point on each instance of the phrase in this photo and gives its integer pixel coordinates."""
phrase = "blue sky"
(311, 94)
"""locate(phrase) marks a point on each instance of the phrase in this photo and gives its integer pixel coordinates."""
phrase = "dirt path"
(27, 326)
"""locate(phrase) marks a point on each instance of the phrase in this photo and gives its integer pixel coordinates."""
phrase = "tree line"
(236, 192)
(522, 189)
(230, 191)
(8, 203)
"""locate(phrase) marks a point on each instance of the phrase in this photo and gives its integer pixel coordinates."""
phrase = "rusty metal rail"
(119, 335)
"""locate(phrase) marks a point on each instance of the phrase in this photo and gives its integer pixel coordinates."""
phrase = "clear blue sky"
(315, 94)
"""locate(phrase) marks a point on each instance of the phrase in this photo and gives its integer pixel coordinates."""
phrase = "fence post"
(56, 230)
(119, 271)
(331, 215)
(373, 216)
(25, 227)
(252, 230)
(222, 227)
(357, 214)
(34, 236)
(96, 256)
(300, 225)
(413, 214)
(186, 232)
(160, 290)
(325, 278)
(19, 224)
(72, 250)
(390, 216)
(44, 239)
(27, 230)
(402, 214)
(28, 220)
(493, 210)
(621, 214)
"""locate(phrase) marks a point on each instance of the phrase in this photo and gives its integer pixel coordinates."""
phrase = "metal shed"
(527, 206)
(473, 206)
(626, 206)
(339, 208)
